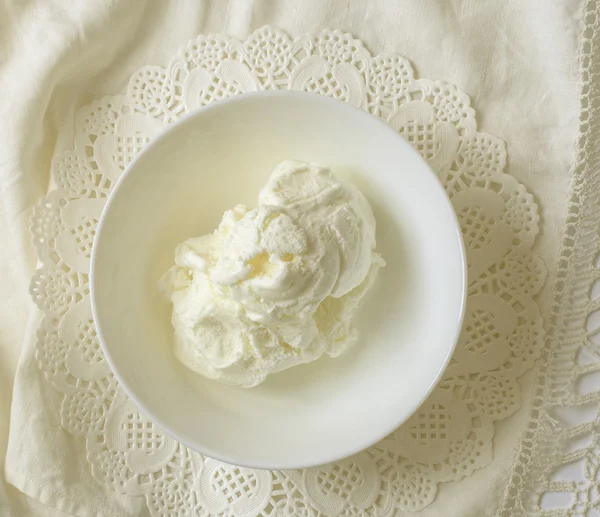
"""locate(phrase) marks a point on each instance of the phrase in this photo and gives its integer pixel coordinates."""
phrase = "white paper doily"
(448, 438)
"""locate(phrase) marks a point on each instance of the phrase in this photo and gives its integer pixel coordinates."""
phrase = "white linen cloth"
(517, 61)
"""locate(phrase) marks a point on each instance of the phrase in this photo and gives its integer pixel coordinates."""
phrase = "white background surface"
(517, 61)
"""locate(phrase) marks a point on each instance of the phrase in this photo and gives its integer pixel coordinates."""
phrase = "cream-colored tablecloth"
(516, 60)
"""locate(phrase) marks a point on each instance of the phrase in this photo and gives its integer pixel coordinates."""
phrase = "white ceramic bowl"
(179, 186)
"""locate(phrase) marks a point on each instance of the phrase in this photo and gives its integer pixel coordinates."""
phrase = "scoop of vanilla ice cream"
(277, 285)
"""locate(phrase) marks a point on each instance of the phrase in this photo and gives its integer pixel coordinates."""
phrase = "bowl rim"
(147, 410)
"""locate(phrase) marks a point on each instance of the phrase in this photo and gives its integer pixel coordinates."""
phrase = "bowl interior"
(313, 414)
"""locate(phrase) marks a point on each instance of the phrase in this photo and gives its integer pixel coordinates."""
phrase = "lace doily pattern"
(557, 471)
(448, 438)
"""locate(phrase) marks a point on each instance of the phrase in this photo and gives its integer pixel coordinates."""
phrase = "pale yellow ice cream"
(278, 285)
